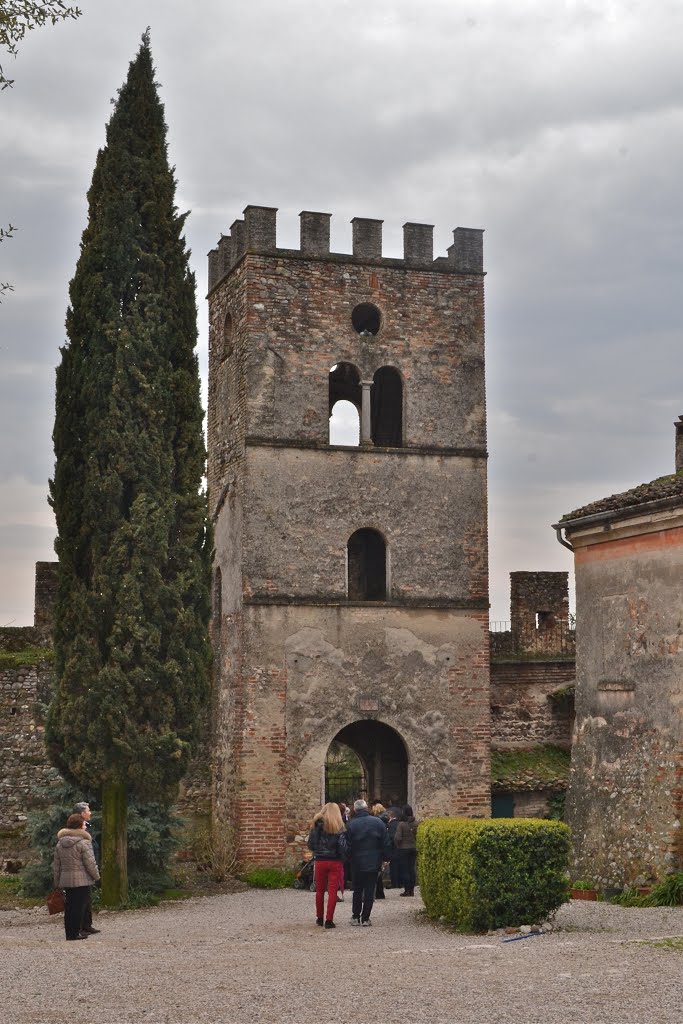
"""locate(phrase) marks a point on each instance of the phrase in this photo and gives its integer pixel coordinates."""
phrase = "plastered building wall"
(625, 795)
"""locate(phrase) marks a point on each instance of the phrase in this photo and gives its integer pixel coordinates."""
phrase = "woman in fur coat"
(75, 871)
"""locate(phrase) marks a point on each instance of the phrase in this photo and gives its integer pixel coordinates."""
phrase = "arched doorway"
(375, 764)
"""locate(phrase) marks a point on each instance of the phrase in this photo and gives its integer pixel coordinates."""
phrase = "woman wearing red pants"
(327, 840)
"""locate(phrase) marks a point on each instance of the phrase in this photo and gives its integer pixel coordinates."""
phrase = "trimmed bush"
(494, 872)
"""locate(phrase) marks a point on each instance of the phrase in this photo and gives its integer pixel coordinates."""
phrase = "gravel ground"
(257, 957)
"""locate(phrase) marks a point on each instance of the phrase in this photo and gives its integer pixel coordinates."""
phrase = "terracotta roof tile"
(664, 487)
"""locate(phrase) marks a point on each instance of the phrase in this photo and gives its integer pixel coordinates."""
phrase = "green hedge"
(492, 873)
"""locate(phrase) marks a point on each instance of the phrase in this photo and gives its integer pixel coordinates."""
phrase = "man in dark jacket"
(369, 845)
(84, 808)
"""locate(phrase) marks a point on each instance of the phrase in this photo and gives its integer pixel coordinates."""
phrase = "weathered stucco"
(309, 671)
(625, 796)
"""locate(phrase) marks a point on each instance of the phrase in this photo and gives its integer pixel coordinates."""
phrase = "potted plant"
(583, 890)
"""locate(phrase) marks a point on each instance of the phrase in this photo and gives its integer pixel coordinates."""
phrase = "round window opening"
(366, 318)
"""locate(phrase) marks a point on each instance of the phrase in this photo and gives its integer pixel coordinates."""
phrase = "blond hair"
(330, 815)
(378, 808)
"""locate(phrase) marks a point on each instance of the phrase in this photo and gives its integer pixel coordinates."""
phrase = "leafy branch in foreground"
(7, 232)
(17, 17)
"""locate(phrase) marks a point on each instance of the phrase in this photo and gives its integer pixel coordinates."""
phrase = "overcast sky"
(558, 128)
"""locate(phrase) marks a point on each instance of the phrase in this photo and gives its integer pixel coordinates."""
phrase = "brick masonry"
(24, 695)
(523, 715)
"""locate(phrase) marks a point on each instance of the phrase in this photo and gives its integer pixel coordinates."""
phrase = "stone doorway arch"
(382, 760)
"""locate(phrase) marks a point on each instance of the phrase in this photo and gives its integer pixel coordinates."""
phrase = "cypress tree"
(132, 653)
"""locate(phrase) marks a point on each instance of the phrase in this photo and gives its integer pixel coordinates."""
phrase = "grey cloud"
(557, 128)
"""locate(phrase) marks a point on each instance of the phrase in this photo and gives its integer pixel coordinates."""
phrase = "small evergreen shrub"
(270, 878)
(492, 873)
(151, 840)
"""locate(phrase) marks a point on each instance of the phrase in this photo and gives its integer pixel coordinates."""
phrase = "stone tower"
(350, 580)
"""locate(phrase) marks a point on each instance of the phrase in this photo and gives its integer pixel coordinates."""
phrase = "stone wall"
(279, 323)
(534, 804)
(532, 686)
(523, 713)
(301, 675)
(300, 663)
(24, 770)
(26, 683)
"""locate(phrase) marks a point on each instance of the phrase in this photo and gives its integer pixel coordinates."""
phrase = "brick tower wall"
(296, 659)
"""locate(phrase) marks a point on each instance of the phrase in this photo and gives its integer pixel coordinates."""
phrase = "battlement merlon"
(256, 234)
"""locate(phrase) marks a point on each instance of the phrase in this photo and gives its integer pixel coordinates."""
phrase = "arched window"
(367, 566)
(386, 408)
(344, 404)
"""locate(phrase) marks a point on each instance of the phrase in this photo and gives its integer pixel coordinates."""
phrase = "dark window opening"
(345, 385)
(366, 318)
(545, 620)
(367, 566)
(502, 805)
(386, 408)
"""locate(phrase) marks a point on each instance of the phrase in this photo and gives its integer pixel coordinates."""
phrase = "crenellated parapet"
(256, 233)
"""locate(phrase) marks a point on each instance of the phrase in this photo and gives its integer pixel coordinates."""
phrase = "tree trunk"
(114, 844)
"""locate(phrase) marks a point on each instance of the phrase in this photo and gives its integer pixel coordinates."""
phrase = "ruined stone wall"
(539, 611)
(24, 769)
(523, 715)
(625, 795)
(26, 685)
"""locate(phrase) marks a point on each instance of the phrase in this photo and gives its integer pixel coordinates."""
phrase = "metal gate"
(344, 786)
